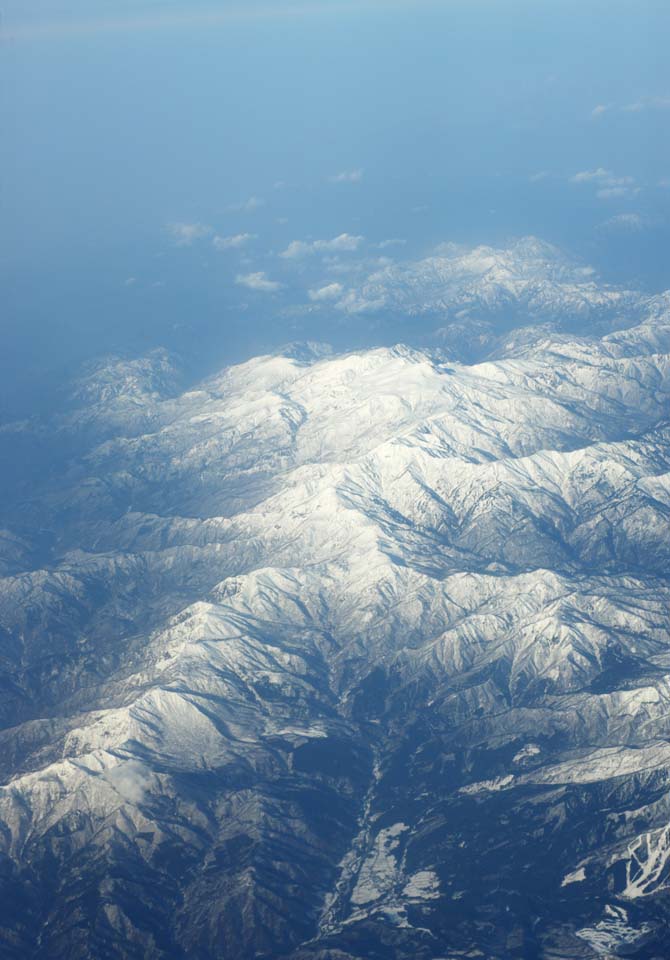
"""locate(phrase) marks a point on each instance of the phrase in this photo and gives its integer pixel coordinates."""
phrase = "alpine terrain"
(354, 656)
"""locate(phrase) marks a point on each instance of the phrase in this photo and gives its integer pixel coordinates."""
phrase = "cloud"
(344, 243)
(638, 106)
(391, 242)
(539, 176)
(185, 234)
(130, 779)
(611, 193)
(357, 303)
(586, 176)
(647, 103)
(609, 185)
(297, 249)
(234, 242)
(625, 223)
(248, 206)
(257, 281)
(332, 291)
(347, 176)
(234, 13)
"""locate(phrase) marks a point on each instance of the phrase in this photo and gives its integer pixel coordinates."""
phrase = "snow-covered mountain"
(351, 656)
(465, 299)
(467, 302)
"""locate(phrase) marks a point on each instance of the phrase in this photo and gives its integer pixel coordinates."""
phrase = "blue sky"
(143, 140)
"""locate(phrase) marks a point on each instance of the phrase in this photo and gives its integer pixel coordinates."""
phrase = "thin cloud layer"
(609, 185)
(637, 106)
(391, 242)
(130, 779)
(248, 206)
(625, 223)
(151, 17)
(186, 234)
(347, 176)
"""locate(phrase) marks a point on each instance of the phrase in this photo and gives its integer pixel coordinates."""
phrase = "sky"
(199, 176)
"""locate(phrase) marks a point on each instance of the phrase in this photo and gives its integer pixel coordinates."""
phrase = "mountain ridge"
(348, 655)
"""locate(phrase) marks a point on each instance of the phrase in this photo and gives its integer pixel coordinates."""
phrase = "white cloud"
(585, 176)
(638, 106)
(248, 206)
(185, 234)
(296, 249)
(344, 243)
(332, 291)
(625, 223)
(257, 281)
(611, 193)
(539, 176)
(647, 103)
(347, 176)
(356, 303)
(234, 242)
(130, 779)
(608, 185)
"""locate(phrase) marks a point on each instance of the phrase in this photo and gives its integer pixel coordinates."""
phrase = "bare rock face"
(353, 656)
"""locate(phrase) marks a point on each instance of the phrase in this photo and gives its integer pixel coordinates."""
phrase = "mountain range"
(350, 656)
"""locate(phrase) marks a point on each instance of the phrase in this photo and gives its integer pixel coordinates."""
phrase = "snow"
(648, 864)
(613, 932)
(577, 876)
(423, 885)
(489, 786)
(604, 764)
(527, 753)
(379, 869)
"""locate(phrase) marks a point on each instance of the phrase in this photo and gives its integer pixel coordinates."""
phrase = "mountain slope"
(347, 656)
